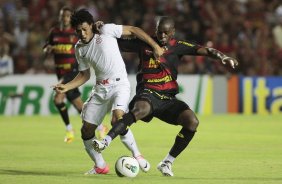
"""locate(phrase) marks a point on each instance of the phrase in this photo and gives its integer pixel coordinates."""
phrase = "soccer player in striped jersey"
(157, 88)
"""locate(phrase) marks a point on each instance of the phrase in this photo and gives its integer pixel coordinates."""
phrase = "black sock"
(63, 112)
(181, 142)
(120, 127)
(124, 132)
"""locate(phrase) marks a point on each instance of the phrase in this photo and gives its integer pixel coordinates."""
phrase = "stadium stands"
(250, 30)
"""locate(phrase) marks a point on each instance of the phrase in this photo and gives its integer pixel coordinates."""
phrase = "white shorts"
(115, 94)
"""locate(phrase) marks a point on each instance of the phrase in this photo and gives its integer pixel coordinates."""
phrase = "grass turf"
(226, 149)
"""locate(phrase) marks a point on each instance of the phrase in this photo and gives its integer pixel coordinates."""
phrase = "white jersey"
(112, 89)
(102, 53)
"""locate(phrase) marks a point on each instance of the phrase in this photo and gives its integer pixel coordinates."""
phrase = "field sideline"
(226, 149)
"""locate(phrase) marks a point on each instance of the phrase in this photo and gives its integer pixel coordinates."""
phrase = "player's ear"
(92, 27)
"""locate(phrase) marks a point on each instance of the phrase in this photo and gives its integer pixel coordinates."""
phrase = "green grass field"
(226, 149)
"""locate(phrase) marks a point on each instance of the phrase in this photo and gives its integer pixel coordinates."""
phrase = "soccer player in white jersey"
(112, 90)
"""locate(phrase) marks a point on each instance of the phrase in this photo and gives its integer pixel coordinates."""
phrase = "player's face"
(65, 17)
(84, 32)
(164, 33)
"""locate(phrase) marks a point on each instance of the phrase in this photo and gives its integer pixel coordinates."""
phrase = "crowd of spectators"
(249, 30)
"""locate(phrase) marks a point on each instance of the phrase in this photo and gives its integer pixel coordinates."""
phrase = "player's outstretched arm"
(80, 79)
(216, 54)
(139, 33)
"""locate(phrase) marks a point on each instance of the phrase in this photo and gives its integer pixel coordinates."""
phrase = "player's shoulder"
(111, 27)
(52, 31)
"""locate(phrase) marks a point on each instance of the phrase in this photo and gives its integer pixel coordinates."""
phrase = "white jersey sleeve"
(82, 63)
(112, 30)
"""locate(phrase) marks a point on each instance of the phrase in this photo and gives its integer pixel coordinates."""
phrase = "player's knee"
(87, 132)
(189, 120)
(191, 124)
(139, 113)
(194, 123)
(141, 109)
(57, 100)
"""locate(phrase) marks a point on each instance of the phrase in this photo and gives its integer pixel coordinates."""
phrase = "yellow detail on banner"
(277, 104)
(248, 97)
(261, 92)
(207, 106)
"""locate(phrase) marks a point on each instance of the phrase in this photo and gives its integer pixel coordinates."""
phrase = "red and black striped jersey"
(161, 75)
(63, 42)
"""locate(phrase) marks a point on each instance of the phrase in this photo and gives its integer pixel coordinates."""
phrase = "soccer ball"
(127, 166)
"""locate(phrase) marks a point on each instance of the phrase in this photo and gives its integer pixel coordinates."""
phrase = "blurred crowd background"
(249, 30)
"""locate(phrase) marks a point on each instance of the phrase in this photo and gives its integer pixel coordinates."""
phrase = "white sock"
(94, 155)
(69, 127)
(169, 158)
(108, 140)
(129, 141)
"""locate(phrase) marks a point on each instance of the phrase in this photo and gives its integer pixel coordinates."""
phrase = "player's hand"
(158, 52)
(98, 25)
(48, 49)
(60, 88)
(224, 59)
(230, 61)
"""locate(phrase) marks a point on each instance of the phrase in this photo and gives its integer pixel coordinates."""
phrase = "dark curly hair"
(81, 16)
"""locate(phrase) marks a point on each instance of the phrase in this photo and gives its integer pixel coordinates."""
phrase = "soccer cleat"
(165, 168)
(143, 163)
(97, 170)
(69, 136)
(99, 146)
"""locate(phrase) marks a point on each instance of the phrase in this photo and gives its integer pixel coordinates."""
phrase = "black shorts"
(74, 93)
(165, 108)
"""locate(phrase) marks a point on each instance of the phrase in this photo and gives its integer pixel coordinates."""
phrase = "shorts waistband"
(107, 81)
(161, 96)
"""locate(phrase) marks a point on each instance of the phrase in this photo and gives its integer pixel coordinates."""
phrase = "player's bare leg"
(102, 131)
(78, 104)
